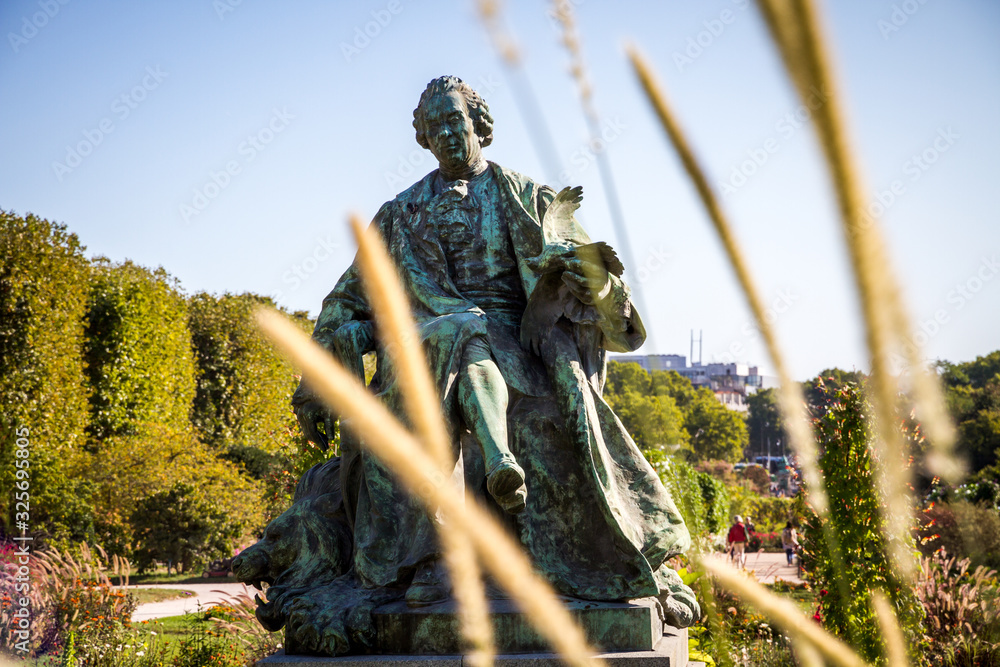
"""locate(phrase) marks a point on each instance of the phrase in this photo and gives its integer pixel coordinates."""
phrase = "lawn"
(145, 595)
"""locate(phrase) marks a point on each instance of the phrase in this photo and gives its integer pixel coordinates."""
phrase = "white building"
(731, 382)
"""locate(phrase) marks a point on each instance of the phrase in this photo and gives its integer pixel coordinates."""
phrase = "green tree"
(972, 391)
(652, 419)
(182, 527)
(764, 421)
(244, 386)
(716, 431)
(128, 470)
(43, 394)
(138, 350)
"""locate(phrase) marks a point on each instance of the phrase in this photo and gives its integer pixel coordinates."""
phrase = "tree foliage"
(973, 395)
(663, 409)
(244, 386)
(43, 391)
(138, 350)
(128, 469)
(859, 564)
(765, 423)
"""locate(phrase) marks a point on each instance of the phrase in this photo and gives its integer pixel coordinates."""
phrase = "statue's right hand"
(310, 415)
(354, 338)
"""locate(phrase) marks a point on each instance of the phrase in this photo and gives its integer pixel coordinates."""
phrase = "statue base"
(629, 635)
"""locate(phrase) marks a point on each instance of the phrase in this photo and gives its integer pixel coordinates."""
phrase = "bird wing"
(558, 224)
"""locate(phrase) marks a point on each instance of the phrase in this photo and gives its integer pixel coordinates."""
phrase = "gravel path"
(204, 595)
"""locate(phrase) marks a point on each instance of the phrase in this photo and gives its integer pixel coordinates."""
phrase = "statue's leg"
(483, 401)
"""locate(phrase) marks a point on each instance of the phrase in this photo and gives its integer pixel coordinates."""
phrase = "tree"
(972, 391)
(182, 527)
(765, 423)
(138, 350)
(716, 431)
(128, 470)
(652, 419)
(244, 386)
(43, 394)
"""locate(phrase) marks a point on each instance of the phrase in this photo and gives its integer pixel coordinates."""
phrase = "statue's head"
(453, 122)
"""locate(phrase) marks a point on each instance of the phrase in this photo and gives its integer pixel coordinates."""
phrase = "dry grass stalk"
(895, 645)
(795, 27)
(784, 613)
(489, 12)
(418, 472)
(806, 654)
(790, 394)
(401, 341)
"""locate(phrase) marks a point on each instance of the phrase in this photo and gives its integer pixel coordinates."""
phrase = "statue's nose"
(237, 562)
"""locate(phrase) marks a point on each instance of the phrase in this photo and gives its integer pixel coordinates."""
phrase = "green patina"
(516, 308)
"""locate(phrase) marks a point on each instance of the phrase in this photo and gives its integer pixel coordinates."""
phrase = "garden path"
(771, 566)
(204, 595)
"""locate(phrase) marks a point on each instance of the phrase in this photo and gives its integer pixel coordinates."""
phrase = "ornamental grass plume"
(402, 344)
(795, 28)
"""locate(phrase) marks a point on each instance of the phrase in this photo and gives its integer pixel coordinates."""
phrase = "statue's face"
(450, 132)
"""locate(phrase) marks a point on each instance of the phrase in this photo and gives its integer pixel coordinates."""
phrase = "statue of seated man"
(516, 310)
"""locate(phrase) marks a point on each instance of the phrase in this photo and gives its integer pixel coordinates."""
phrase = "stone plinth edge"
(671, 651)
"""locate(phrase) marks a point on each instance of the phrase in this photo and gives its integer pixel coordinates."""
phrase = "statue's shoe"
(515, 502)
(430, 585)
(504, 478)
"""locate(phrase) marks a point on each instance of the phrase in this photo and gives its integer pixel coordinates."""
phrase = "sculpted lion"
(309, 545)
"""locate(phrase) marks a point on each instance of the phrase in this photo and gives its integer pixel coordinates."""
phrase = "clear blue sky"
(313, 130)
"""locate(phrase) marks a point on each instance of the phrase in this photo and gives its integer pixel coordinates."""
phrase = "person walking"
(737, 540)
(789, 541)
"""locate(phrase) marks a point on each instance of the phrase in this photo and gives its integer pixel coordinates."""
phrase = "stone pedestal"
(628, 634)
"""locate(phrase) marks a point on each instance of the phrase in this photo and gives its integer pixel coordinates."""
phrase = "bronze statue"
(516, 308)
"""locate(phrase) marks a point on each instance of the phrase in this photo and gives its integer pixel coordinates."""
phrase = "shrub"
(244, 386)
(138, 350)
(859, 564)
(962, 622)
(963, 530)
(43, 393)
(715, 498)
(758, 477)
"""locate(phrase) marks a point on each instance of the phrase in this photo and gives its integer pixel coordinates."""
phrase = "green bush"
(852, 570)
(702, 500)
(43, 394)
(138, 350)
(963, 530)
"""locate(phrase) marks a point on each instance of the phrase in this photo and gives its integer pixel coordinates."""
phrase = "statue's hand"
(310, 415)
(587, 281)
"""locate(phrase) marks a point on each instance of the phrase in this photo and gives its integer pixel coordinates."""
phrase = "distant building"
(731, 382)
